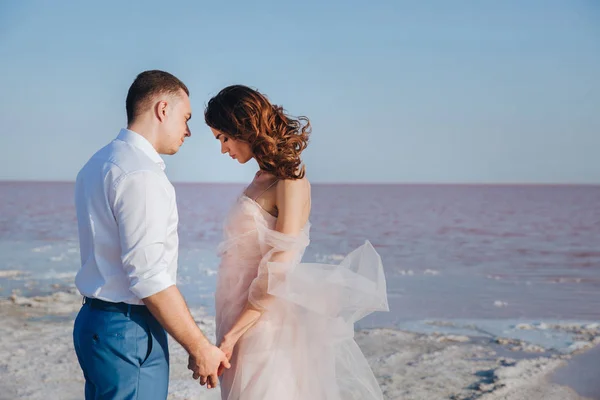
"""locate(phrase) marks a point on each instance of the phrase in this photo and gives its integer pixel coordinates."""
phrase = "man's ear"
(161, 110)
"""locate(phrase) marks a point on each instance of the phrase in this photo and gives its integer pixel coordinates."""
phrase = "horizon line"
(340, 183)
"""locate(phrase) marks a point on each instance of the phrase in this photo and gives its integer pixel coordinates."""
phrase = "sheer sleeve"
(284, 253)
(351, 290)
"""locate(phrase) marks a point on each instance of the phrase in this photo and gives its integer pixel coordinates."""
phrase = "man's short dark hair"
(146, 85)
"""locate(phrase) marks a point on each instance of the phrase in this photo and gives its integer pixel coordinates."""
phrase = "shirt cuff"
(143, 288)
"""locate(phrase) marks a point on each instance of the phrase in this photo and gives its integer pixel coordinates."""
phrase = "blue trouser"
(123, 352)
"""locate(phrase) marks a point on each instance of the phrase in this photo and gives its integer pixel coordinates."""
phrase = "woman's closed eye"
(222, 138)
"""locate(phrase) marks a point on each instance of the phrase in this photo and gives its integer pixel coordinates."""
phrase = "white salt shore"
(37, 360)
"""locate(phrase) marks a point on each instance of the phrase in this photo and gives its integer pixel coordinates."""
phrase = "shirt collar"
(140, 142)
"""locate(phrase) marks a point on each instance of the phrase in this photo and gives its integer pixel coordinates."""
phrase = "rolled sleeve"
(148, 286)
(142, 210)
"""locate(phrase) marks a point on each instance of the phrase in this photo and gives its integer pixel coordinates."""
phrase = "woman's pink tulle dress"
(302, 348)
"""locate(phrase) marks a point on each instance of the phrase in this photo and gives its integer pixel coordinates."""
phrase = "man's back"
(127, 220)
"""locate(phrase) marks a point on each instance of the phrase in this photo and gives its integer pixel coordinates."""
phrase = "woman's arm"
(293, 203)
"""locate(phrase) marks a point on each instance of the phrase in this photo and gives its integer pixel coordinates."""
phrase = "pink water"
(449, 251)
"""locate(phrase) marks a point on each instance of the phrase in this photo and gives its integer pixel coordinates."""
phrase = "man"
(127, 219)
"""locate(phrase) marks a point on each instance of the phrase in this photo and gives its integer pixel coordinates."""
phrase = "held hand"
(205, 363)
(226, 346)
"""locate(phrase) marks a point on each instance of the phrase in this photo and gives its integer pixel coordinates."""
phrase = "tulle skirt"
(302, 348)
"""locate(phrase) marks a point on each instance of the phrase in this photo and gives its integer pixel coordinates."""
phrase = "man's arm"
(169, 308)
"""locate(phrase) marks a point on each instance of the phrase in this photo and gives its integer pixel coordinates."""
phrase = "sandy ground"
(37, 360)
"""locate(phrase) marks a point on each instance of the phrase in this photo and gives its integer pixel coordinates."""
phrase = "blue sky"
(397, 91)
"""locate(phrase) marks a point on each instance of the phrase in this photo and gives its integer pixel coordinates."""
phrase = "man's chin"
(173, 151)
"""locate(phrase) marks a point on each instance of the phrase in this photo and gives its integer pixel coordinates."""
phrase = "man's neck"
(146, 132)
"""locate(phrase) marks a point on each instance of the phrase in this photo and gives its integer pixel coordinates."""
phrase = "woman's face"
(236, 149)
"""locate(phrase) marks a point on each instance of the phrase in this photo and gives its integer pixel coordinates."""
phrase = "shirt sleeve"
(142, 206)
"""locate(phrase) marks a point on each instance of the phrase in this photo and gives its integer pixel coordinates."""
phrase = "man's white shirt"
(127, 219)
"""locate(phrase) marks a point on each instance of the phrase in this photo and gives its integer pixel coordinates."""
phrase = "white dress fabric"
(302, 347)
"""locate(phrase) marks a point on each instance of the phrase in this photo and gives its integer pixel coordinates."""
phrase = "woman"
(287, 327)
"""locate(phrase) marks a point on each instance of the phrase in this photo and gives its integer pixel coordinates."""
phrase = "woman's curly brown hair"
(275, 138)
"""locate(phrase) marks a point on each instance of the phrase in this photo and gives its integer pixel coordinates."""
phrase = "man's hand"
(205, 362)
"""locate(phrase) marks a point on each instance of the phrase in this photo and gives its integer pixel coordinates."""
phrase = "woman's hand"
(226, 346)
